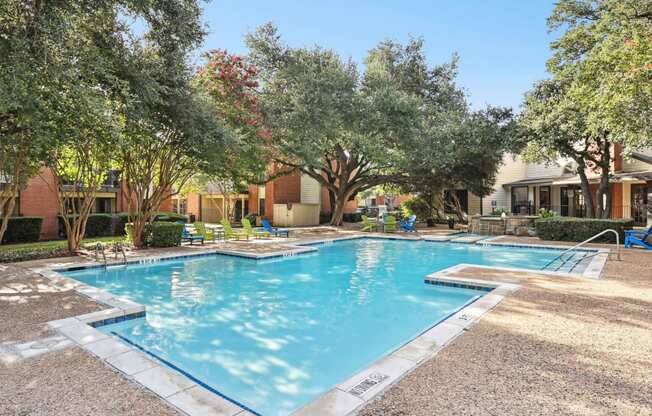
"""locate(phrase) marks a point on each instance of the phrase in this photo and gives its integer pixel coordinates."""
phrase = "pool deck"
(559, 345)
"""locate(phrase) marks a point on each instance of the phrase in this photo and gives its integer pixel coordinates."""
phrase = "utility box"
(296, 215)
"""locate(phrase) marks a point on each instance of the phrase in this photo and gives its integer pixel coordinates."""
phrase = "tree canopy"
(400, 122)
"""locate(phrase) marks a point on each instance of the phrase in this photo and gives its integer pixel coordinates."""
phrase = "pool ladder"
(118, 247)
(563, 261)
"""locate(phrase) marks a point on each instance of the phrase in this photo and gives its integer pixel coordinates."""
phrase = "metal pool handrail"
(587, 241)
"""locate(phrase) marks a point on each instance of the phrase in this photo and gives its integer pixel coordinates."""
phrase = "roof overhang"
(532, 181)
(642, 157)
(643, 175)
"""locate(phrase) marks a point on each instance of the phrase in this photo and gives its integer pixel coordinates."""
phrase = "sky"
(502, 44)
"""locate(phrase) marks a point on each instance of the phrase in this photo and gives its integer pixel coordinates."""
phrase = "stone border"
(192, 397)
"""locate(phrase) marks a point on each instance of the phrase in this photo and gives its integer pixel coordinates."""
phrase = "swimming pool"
(275, 334)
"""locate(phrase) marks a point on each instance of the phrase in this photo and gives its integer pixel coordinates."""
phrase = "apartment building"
(525, 188)
(39, 198)
(291, 200)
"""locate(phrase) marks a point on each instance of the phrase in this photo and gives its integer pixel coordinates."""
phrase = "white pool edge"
(346, 398)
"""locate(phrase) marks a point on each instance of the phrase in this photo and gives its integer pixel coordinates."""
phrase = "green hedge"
(119, 222)
(170, 217)
(163, 234)
(352, 217)
(23, 230)
(580, 229)
(97, 225)
(31, 253)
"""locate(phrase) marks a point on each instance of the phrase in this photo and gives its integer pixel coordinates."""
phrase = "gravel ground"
(72, 383)
(28, 301)
(558, 346)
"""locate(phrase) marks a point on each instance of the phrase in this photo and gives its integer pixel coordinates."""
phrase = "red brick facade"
(39, 199)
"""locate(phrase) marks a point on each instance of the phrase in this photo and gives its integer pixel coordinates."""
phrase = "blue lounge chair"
(275, 231)
(408, 225)
(637, 238)
(186, 236)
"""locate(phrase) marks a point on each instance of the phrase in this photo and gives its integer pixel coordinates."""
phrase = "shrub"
(580, 229)
(31, 253)
(97, 225)
(170, 217)
(324, 217)
(163, 234)
(23, 230)
(544, 213)
(498, 212)
(416, 206)
(119, 222)
(352, 217)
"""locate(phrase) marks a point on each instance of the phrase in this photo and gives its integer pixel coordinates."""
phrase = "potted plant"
(451, 222)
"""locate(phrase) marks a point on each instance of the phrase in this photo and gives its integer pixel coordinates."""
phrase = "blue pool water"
(275, 334)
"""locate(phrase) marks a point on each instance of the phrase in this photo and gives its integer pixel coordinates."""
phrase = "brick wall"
(349, 208)
(287, 189)
(253, 199)
(39, 198)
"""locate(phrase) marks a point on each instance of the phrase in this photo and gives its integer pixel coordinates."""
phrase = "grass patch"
(46, 249)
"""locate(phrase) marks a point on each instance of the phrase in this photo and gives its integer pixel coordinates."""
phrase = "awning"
(532, 181)
(642, 157)
(641, 175)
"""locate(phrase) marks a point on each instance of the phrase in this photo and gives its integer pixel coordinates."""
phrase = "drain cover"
(370, 381)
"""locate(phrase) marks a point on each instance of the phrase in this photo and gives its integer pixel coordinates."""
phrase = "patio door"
(572, 202)
(639, 204)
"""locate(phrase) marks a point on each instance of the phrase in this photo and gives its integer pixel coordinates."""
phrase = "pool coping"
(345, 398)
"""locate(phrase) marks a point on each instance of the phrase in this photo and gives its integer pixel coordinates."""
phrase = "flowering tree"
(230, 84)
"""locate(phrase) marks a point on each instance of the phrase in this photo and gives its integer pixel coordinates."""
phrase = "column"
(649, 203)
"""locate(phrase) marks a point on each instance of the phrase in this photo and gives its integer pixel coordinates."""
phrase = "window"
(104, 205)
(180, 206)
(639, 204)
(544, 197)
(520, 202)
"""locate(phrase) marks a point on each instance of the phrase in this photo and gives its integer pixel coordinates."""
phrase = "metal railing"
(99, 248)
(576, 246)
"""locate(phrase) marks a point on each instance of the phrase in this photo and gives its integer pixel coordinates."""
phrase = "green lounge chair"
(368, 225)
(251, 232)
(390, 225)
(208, 234)
(230, 233)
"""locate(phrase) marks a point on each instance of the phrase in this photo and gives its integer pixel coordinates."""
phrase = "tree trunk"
(604, 207)
(338, 214)
(331, 201)
(7, 209)
(586, 189)
(604, 188)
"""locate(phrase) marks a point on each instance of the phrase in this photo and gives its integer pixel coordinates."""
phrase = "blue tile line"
(185, 373)
(117, 319)
(373, 237)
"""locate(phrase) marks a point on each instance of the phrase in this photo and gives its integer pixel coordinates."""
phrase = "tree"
(29, 72)
(230, 84)
(556, 126)
(463, 151)
(454, 147)
(607, 53)
(599, 93)
(324, 123)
